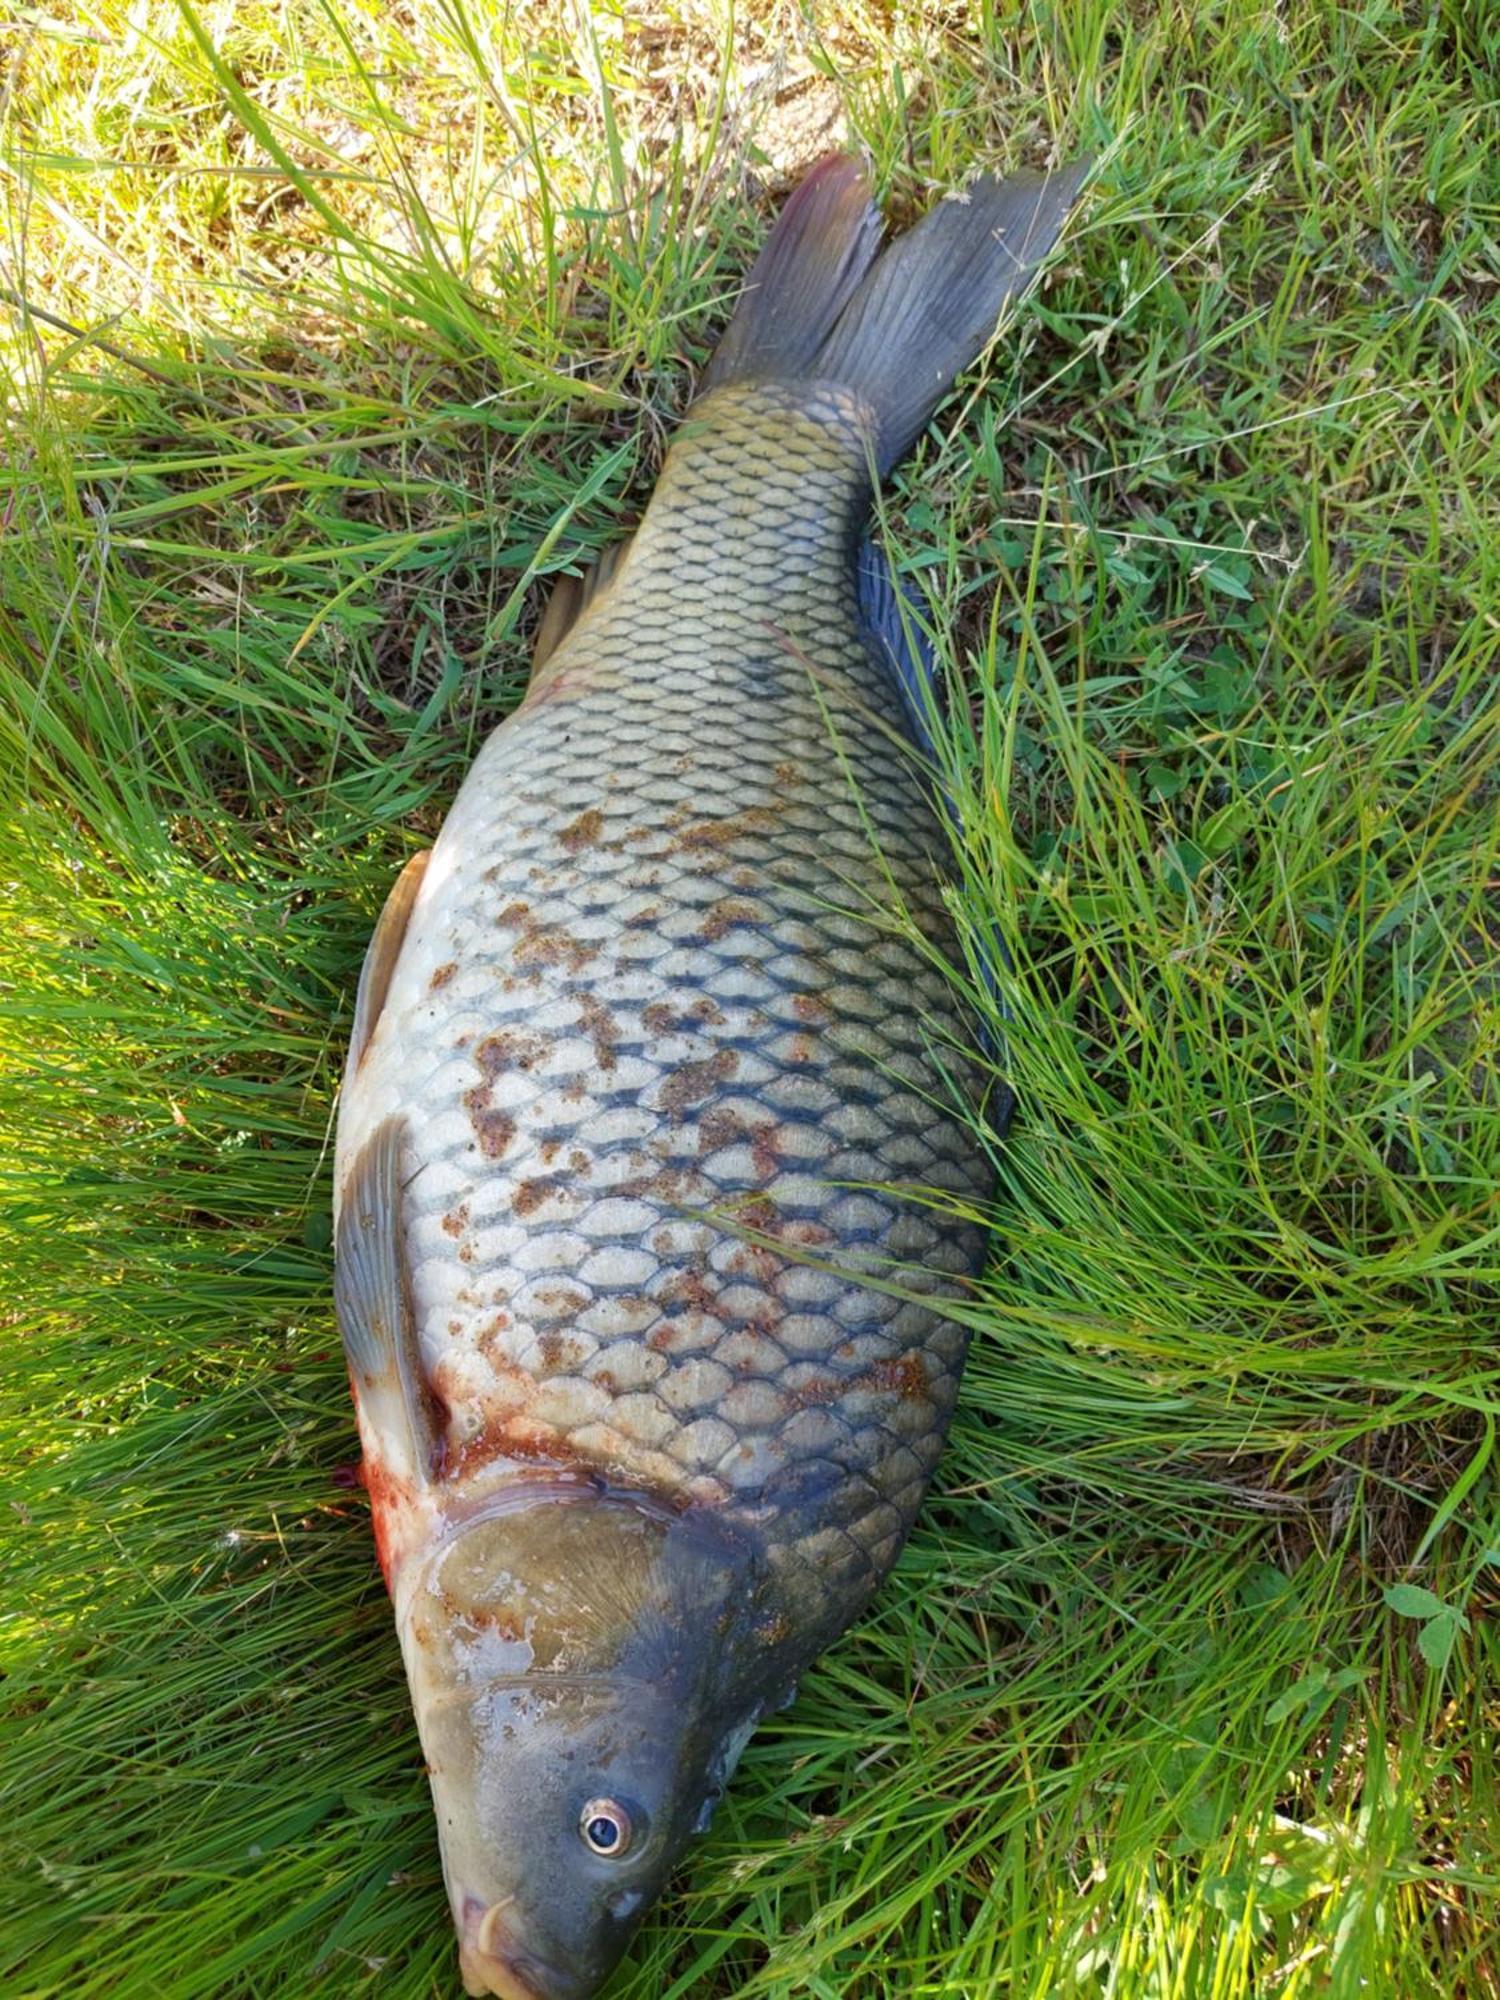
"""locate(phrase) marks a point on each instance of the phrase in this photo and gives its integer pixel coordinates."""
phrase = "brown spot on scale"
(719, 1127)
(539, 945)
(489, 1339)
(580, 1163)
(443, 974)
(602, 1028)
(658, 1018)
(788, 774)
(509, 1048)
(773, 1630)
(553, 1349)
(902, 1372)
(583, 831)
(682, 1333)
(456, 1220)
(466, 1253)
(809, 1235)
(643, 919)
(759, 1261)
(695, 1080)
(822, 1389)
(563, 1299)
(690, 1288)
(724, 916)
(801, 1050)
(810, 1007)
(530, 1195)
(711, 833)
(493, 1129)
(514, 915)
(765, 1153)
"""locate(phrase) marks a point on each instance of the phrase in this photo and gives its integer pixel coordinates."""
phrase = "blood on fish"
(387, 1493)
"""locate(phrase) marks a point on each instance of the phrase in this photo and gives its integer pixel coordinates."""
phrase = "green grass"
(1184, 1689)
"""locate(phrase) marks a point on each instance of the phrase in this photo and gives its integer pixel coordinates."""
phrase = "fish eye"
(606, 1828)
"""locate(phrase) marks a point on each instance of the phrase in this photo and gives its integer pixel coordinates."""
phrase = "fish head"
(578, 1665)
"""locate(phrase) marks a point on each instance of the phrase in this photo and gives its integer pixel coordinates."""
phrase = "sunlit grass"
(1184, 1687)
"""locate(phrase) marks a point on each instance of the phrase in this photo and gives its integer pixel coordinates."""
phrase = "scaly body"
(664, 1041)
(658, 1172)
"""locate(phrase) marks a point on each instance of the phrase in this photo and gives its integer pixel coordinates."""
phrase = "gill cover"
(584, 1671)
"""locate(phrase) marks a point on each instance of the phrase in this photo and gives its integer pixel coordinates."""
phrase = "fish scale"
(660, 1158)
(655, 1030)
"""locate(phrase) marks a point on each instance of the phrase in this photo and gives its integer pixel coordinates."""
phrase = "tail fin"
(823, 243)
(897, 325)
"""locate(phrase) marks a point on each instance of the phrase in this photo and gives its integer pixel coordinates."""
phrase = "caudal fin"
(824, 302)
(810, 266)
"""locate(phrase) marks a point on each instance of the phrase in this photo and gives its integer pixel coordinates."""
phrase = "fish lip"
(483, 1973)
(490, 1961)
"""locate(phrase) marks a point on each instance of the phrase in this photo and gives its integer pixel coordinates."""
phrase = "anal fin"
(372, 1295)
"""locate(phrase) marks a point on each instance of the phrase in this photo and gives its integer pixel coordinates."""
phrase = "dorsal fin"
(571, 597)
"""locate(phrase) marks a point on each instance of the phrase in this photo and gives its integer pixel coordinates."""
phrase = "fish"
(659, 1180)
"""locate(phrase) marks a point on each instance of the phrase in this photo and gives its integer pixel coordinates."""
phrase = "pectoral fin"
(384, 950)
(372, 1293)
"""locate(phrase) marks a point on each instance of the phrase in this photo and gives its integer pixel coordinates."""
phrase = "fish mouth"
(490, 1961)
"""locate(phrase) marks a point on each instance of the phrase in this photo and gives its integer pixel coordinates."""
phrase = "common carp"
(657, 1170)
